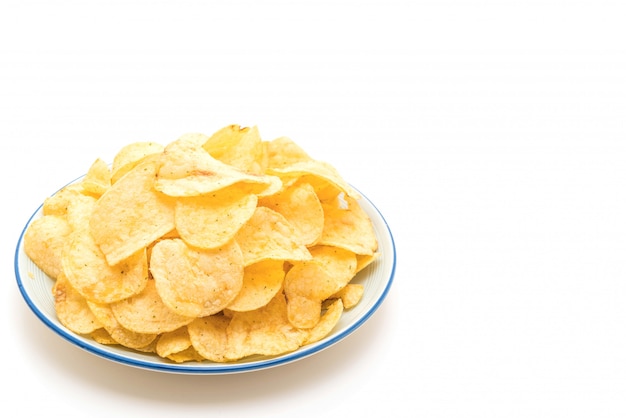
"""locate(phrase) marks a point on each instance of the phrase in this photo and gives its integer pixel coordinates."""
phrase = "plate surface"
(377, 278)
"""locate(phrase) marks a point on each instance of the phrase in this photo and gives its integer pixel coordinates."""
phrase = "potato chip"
(89, 273)
(269, 236)
(176, 346)
(346, 225)
(102, 336)
(194, 282)
(282, 152)
(186, 169)
(210, 221)
(318, 173)
(130, 155)
(239, 147)
(146, 313)
(98, 178)
(208, 337)
(264, 331)
(350, 295)
(44, 241)
(57, 203)
(328, 321)
(261, 282)
(300, 205)
(72, 308)
(118, 333)
(338, 262)
(131, 214)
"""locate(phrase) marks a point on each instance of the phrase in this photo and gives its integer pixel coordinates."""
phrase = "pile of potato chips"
(209, 248)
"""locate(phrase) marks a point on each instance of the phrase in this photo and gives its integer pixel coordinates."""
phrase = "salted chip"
(208, 337)
(98, 178)
(89, 273)
(130, 155)
(210, 221)
(269, 236)
(44, 241)
(264, 331)
(350, 295)
(57, 203)
(300, 205)
(362, 261)
(79, 210)
(239, 147)
(176, 346)
(283, 151)
(102, 336)
(308, 284)
(194, 282)
(72, 309)
(328, 321)
(340, 263)
(347, 225)
(118, 333)
(187, 169)
(261, 282)
(318, 173)
(131, 214)
(146, 313)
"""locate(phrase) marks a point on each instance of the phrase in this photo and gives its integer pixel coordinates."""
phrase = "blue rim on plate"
(36, 289)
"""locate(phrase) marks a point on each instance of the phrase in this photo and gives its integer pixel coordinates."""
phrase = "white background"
(490, 134)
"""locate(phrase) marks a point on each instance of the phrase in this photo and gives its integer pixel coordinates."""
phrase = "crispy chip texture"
(212, 248)
(194, 282)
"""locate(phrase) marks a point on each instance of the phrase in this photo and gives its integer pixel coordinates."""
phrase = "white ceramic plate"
(36, 286)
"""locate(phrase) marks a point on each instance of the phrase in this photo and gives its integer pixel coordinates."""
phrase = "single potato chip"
(187, 169)
(131, 214)
(329, 320)
(269, 236)
(44, 241)
(131, 155)
(283, 152)
(239, 147)
(210, 221)
(98, 178)
(208, 337)
(194, 282)
(176, 346)
(300, 205)
(89, 273)
(350, 295)
(118, 333)
(261, 282)
(72, 308)
(346, 225)
(146, 313)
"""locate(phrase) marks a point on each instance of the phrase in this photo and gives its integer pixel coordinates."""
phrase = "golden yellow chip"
(72, 308)
(282, 152)
(239, 147)
(176, 346)
(300, 205)
(79, 210)
(98, 178)
(210, 221)
(102, 336)
(130, 155)
(194, 282)
(44, 241)
(264, 331)
(89, 273)
(269, 236)
(146, 313)
(118, 333)
(328, 321)
(57, 203)
(347, 225)
(350, 294)
(208, 337)
(318, 173)
(131, 214)
(340, 263)
(187, 169)
(261, 282)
